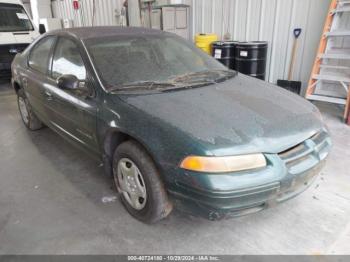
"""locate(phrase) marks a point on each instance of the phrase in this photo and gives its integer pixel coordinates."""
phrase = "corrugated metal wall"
(245, 20)
(106, 12)
(268, 20)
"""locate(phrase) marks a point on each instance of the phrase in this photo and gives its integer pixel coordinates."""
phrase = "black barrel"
(224, 51)
(250, 58)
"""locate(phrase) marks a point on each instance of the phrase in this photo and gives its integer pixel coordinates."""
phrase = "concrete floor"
(52, 202)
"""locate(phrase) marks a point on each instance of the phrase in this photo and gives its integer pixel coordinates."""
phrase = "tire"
(30, 120)
(131, 156)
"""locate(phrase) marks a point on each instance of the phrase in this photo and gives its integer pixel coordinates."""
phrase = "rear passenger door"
(36, 76)
(73, 112)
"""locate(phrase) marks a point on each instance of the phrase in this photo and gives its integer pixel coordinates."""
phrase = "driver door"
(73, 112)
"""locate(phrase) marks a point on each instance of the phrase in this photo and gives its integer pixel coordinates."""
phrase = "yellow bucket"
(203, 41)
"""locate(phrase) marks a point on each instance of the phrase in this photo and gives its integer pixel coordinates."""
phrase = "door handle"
(48, 95)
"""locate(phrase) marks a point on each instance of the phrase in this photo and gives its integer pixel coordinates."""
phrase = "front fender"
(166, 145)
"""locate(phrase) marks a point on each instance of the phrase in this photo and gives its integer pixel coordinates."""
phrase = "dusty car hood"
(241, 115)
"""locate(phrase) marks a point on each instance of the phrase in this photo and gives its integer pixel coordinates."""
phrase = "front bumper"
(228, 195)
(7, 54)
(5, 70)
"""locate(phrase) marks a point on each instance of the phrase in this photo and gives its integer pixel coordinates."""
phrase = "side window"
(67, 60)
(39, 56)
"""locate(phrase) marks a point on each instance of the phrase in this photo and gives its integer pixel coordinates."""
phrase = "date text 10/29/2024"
(173, 258)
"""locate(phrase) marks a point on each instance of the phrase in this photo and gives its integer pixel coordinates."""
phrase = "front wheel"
(138, 181)
(29, 118)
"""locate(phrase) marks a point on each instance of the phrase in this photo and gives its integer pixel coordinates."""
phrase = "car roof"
(105, 31)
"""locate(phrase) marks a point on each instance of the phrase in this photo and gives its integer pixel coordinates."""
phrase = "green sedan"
(173, 126)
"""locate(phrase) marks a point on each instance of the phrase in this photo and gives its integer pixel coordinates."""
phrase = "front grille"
(8, 52)
(294, 153)
(308, 154)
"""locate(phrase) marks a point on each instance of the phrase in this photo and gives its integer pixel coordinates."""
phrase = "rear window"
(13, 18)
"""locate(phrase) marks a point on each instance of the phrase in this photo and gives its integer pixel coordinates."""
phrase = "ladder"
(330, 76)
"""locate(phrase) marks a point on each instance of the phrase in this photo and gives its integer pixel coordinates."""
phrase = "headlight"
(223, 164)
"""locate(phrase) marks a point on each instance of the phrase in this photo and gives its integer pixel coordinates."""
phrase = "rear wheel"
(139, 184)
(29, 118)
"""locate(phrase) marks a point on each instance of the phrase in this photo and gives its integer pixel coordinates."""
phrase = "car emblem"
(13, 51)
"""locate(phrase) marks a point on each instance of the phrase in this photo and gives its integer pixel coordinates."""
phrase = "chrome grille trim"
(306, 154)
(295, 153)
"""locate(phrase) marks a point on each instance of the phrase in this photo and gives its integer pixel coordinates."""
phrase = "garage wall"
(106, 12)
(268, 20)
(245, 20)
(26, 4)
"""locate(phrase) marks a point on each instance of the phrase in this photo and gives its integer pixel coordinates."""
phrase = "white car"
(16, 33)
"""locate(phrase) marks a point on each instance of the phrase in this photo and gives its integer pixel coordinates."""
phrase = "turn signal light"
(223, 164)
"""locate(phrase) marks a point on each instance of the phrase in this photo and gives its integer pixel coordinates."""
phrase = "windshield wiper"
(188, 80)
(207, 75)
(227, 76)
(142, 84)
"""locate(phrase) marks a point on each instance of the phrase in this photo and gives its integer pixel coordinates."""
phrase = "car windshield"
(154, 61)
(13, 18)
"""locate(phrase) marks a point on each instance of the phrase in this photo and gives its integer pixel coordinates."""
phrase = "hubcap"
(131, 184)
(23, 110)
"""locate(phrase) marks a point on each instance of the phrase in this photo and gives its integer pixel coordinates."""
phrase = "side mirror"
(70, 82)
(42, 29)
